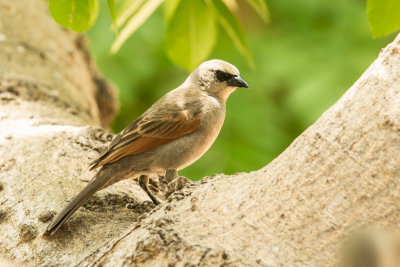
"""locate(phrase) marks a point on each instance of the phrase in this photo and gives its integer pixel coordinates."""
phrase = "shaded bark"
(342, 173)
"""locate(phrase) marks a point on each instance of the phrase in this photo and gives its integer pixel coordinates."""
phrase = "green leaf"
(383, 16)
(170, 8)
(260, 7)
(77, 15)
(111, 7)
(135, 22)
(232, 27)
(191, 34)
(127, 10)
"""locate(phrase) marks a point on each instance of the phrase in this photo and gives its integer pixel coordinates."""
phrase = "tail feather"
(93, 186)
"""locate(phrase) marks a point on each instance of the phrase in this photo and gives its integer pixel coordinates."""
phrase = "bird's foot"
(144, 184)
(177, 184)
(154, 184)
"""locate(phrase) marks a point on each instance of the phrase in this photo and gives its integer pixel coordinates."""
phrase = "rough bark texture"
(340, 174)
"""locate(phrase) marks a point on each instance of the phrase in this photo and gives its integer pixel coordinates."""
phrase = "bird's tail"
(96, 184)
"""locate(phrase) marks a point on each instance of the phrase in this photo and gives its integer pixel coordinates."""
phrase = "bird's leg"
(144, 184)
(170, 175)
(175, 182)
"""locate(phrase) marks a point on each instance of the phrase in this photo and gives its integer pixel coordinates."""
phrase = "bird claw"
(154, 184)
(177, 184)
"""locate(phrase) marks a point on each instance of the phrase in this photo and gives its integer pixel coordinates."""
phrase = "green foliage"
(113, 13)
(77, 15)
(170, 8)
(260, 7)
(191, 27)
(191, 24)
(383, 16)
(80, 15)
(135, 18)
(191, 33)
(232, 27)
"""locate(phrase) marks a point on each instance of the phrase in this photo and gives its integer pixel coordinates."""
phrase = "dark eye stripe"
(222, 76)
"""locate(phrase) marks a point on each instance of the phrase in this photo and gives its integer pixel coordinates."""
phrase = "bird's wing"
(151, 130)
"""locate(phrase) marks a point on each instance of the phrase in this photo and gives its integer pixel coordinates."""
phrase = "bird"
(173, 133)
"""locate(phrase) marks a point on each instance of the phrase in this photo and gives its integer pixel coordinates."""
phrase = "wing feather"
(150, 131)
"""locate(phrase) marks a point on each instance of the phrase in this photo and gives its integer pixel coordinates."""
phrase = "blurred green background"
(309, 54)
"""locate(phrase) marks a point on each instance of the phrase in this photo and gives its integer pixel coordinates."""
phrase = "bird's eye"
(222, 76)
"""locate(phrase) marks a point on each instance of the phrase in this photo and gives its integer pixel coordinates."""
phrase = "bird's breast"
(185, 150)
(201, 140)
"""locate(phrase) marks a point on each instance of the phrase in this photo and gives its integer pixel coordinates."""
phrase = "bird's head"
(218, 78)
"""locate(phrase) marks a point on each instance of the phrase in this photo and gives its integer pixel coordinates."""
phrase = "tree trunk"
(342, 173)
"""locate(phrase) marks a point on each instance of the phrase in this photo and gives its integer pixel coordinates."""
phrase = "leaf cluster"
(191, 25)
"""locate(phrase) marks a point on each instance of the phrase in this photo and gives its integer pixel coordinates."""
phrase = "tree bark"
(342, 173)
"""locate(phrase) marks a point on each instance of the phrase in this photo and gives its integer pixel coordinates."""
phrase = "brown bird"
(173, 133)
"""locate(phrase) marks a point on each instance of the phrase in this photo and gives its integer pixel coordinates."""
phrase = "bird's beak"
(237, 81)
